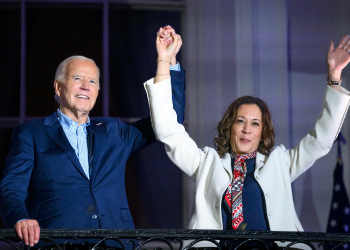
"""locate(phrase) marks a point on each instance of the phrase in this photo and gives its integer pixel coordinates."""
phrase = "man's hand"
(165, 38)
(28, 231)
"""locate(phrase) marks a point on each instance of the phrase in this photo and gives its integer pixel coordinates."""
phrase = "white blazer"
(274, 173)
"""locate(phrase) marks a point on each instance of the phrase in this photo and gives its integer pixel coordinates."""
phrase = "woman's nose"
(246, 128)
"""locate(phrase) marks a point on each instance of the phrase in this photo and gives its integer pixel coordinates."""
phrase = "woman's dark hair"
(222, 141)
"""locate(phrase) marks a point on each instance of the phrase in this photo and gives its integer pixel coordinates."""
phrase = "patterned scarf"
(233, 196)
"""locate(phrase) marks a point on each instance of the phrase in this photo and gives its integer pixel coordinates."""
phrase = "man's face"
(79, 90)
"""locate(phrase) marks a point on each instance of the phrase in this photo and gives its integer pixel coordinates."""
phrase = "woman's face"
(246, 129)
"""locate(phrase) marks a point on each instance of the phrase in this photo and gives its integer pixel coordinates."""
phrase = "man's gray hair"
(61, 71)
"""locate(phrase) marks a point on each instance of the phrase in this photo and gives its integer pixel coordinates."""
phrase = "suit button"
(94, 190)
(94, 216)
(267, 195)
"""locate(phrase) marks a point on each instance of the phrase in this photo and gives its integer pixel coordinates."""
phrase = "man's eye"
(77, 78)
(93, 82)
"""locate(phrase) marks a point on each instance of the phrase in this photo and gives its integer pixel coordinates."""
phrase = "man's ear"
(57, 88)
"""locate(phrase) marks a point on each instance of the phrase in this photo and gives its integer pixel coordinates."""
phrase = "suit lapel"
(90, 144)
(55, 131)
(98, 129)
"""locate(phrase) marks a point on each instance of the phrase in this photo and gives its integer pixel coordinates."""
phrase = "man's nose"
(84, 85)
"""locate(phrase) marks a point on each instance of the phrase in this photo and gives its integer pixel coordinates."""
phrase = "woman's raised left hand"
(338, 58)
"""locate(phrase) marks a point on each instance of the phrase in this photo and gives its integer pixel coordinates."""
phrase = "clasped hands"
(168, 44)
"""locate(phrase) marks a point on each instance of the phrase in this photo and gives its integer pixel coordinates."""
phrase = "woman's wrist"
(163, 69)
(334, 80)
(164, 58)
(334, 75)
(164, 61)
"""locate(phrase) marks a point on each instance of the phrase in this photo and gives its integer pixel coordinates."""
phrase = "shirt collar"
(68, 122)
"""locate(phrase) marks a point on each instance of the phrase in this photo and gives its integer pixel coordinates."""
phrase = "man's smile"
(83, 96)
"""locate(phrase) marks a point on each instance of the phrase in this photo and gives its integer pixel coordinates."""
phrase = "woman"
(245, 183)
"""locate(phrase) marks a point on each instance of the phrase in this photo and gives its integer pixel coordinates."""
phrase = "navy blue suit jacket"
(44, 180)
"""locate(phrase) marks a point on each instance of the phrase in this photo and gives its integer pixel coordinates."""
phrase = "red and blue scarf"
(233, 196)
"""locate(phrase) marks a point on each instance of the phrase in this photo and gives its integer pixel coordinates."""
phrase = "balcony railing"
(177, 239)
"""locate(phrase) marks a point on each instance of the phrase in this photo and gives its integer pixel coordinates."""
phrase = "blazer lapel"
(260, 161)
(55, 131)
(226, 162)
(98, 130)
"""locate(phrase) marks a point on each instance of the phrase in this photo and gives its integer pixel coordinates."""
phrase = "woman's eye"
(256, 124)
(240, 121)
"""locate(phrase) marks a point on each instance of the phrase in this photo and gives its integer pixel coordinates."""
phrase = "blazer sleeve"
(319, 140)
(141, 132)
(16, 177)
(181, 149)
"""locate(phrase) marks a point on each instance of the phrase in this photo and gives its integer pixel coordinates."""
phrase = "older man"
(67, 170)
